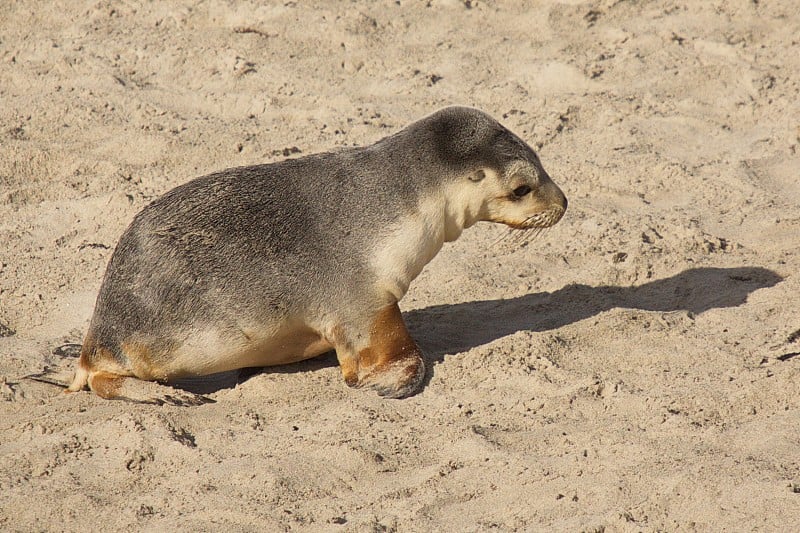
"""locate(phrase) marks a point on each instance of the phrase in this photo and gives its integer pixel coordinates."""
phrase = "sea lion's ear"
(477, 176)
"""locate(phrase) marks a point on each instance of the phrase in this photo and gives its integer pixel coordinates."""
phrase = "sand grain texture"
(635, 368)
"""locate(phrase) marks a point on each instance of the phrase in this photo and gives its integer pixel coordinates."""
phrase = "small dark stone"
(6, 331)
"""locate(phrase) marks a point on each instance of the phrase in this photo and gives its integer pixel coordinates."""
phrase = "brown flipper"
(122, 386)
(391, 363)
(115, 387)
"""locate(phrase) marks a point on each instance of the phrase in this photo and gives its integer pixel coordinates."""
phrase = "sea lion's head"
(502, 179)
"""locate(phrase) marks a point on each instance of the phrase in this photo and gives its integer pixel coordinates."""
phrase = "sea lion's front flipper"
(382, 356)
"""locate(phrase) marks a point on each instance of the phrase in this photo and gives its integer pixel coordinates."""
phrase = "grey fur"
(263, 243)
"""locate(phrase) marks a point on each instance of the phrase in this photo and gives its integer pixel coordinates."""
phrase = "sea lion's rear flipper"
(116, 387)
(51, 376)
(60, 373)
(111, 377)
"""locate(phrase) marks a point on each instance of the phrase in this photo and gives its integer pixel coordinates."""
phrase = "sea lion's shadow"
(442, 330)
(446, 329)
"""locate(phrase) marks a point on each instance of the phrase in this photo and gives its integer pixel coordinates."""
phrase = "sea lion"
(270, 264)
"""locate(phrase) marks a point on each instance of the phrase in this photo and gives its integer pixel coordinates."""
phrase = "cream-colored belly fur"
(209, 351)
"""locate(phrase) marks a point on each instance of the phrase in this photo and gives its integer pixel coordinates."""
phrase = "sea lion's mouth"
(540, 220)
(530, 227)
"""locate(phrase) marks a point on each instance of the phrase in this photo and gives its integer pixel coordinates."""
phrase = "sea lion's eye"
(521, 191)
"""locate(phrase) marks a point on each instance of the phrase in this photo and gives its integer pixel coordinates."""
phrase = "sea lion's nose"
(550, 192)
(555, 196)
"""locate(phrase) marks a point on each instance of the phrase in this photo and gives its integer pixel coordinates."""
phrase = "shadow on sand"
(447, 329)
(453, 328)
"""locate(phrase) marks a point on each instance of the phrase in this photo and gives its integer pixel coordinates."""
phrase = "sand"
(635, 368)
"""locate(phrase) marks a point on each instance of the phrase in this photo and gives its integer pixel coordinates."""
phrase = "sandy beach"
(634, 368)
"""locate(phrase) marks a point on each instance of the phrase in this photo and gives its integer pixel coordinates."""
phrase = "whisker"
(530, 236)
(510, 237)
(503, 236)
(520, 238)
(514, 237)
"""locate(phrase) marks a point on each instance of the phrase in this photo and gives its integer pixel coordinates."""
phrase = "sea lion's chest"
(407, 246)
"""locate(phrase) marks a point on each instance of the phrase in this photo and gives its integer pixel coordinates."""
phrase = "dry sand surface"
(635, 368)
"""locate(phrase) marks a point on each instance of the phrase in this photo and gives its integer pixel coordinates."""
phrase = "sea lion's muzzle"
(551, 206)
